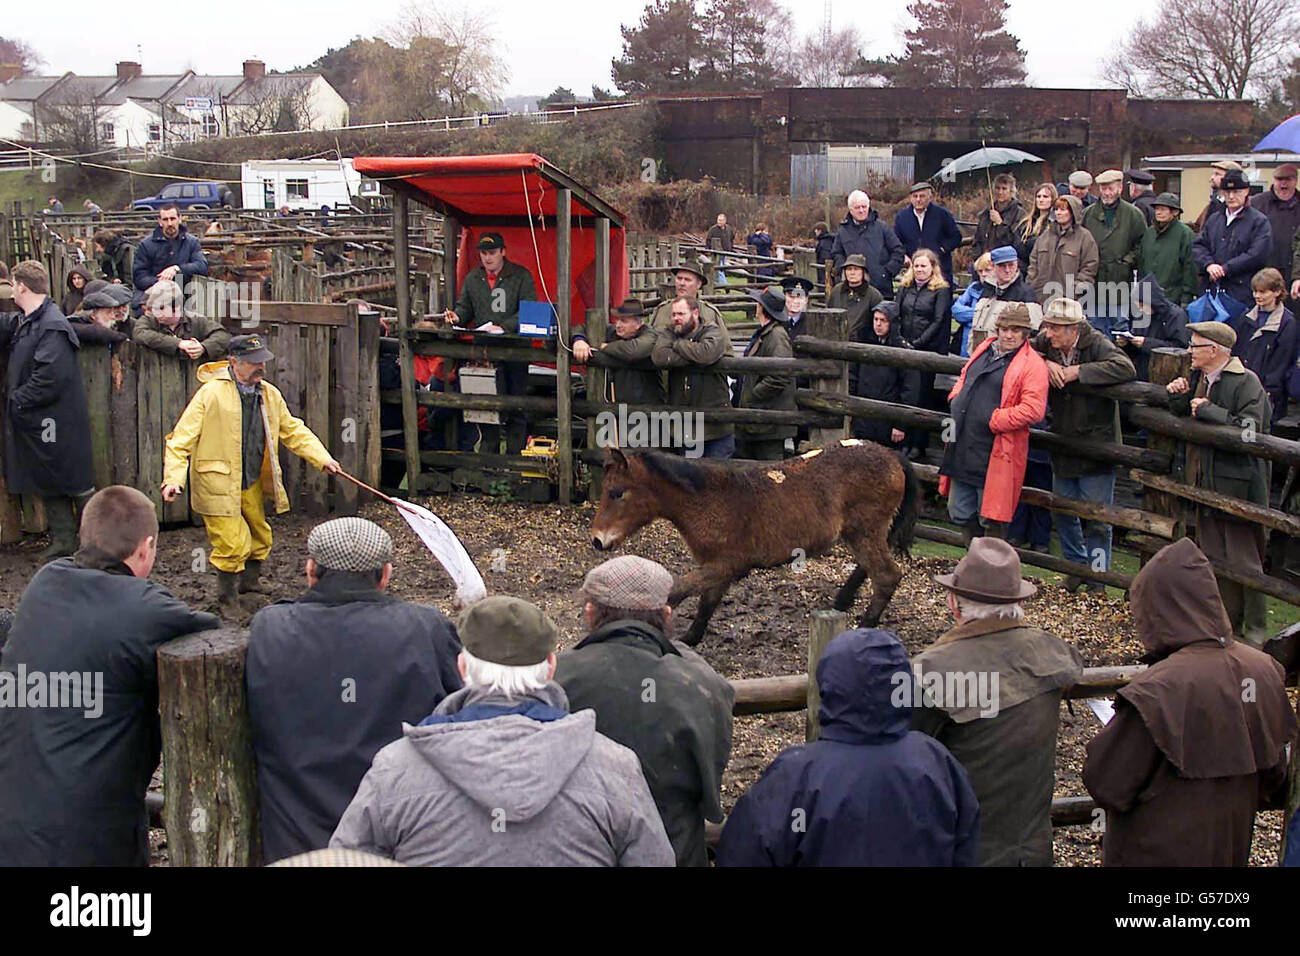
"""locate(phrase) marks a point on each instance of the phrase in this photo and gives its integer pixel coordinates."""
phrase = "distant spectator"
(284, 212)
(1039, 218)
(1281, 205)
(772, 390)
(1006, 739)
(797, 289)
(1166, 251)
(166, 327)
(1009, 285)
(92, 207)
(1189, 756)
(854, 294)
(688, 351)
(1063, 260)
(332, 676)
(1080, 183)
(924, 224)
(54, 204)
(1222, 391)
(169, 253)
(998, 225)
(1157, 324)
(963, 310)
(502, 773)
(1235, 243)
(925, 322)
(76, 281)
(104, 317)
(1268, 338)
(870, 791)
(1141, 192)
(883, 383)
(1217, 171)
(862, 233)
(1118, 227)
(1077, 352)
(1000, 393)
(823, 250)
(113, 256)
(683, 735)
(761, 240)
(722, 237)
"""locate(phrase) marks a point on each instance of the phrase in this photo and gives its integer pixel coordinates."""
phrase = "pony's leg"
(844, 599)
(873, 556)
(683, 587)
(710, 597)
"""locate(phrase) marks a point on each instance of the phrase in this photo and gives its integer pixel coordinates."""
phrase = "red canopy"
(510, 193)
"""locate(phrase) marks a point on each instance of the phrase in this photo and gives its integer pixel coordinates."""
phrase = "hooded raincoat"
(1189, 755)
(870, 791)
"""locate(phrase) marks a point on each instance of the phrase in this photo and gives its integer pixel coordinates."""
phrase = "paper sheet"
(446, 547)
(1103, 708)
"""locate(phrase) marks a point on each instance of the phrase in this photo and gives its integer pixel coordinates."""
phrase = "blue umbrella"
(1285, 137)
(983, 158)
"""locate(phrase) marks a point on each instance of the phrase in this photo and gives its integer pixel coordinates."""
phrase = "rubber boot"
(995, 529)
(61, 517)
(971, 530)
(248, 581)
(228, 594)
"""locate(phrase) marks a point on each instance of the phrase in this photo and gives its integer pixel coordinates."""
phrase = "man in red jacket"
(1001, 392)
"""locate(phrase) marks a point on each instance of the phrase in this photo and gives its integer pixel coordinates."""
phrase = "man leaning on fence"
(688, 351)
(228, 440)
(1077, 352)
(170, 252)
(1222, 391)
(165, 326)
(46, 424)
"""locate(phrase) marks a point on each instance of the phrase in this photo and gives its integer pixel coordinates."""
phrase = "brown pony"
(735, 519)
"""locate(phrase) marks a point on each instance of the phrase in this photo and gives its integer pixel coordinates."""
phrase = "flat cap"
(917, 187)
(1081, 178)
(99, 299)
(1226, 164)
(1285, 171)
(1220, 333)
(1168, 199)
(350, 544)
(1004, 254)
(1110, 176)
(628, 582)
(508, 631)
(1140, 176)
(857, 259)
(1063, 311)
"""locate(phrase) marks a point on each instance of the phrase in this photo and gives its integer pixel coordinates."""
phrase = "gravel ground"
(542, 552)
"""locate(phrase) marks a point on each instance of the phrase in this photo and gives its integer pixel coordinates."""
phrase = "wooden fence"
(326, 365)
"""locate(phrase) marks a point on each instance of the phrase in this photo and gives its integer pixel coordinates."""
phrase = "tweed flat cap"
(1220, 333)
(508, 631)
(99, 299)
(628, 582)
(1063, 311)
(350, 544)
(917, 187)
(1225, 164)
(1110, 176)
(1081, 178)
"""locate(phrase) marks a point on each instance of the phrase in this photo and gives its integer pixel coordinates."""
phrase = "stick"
(374, 491)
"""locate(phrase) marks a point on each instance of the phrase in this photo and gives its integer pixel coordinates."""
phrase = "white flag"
(446, 547)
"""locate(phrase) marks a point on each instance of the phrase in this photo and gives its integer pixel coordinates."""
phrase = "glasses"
(1203, 345)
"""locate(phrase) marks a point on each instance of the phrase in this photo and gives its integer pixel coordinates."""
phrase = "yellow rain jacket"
(207, 439)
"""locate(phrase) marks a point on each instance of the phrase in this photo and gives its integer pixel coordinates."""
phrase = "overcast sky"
(544, 50)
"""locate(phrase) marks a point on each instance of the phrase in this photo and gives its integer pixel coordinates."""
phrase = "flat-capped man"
(490, 296)
(232, 429)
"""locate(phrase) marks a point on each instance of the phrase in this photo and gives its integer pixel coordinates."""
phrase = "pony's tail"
(902, 532)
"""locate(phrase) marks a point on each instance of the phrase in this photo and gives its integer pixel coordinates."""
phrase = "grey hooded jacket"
(506, 791)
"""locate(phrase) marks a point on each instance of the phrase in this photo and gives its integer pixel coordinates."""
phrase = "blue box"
(537, 318)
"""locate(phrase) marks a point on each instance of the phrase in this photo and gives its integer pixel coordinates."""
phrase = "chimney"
(10, 71)
(128, 70)
(254, 69)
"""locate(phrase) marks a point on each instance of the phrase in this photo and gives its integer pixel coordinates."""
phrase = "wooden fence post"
(823, 628)
(832, 324)
(563, 381)
(211, 789)
(1165, 366)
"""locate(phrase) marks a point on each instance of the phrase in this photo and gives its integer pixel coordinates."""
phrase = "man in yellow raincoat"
(228, 438)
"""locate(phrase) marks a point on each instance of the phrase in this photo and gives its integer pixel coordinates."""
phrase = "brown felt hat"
(1220, 333)
(990, 572)
(1015, 315)
(507, 630)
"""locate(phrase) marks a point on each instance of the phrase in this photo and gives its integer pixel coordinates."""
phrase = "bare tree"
(472, 72)
(1217, 49)
(70, 120)
(15, 52)
(273, 104)
(824, 60)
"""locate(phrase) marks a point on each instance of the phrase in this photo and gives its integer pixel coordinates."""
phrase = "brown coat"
(1198, 740)
(1065, 258)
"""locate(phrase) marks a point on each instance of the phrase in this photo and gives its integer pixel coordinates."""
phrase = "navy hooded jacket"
(871, 791)
(1165, 329)
(876, 241)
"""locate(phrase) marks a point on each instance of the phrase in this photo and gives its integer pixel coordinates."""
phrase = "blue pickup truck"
(208, 195)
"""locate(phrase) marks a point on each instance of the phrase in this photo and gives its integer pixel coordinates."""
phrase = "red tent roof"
(480, 188)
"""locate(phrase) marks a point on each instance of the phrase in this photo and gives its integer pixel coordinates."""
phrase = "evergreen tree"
(962, 43)
(663, 53)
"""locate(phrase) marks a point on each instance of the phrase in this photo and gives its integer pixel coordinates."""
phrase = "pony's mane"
(682, 472)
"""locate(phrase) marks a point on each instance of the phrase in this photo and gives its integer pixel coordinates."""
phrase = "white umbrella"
(983, 158)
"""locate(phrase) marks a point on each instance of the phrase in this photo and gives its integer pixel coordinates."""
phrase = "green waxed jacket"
(1166, 251)
(691, 383)
(1117, 242)
(475, 303)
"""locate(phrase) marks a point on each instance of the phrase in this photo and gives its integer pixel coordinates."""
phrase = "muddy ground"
(542, 552)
